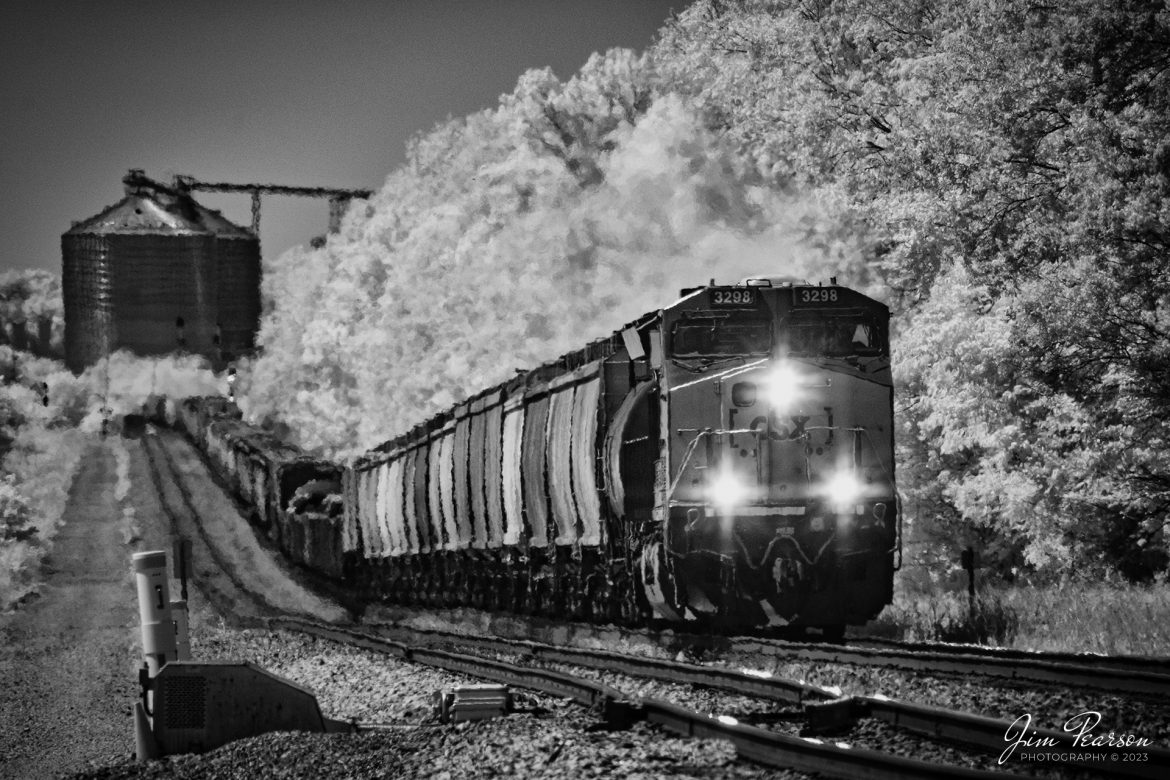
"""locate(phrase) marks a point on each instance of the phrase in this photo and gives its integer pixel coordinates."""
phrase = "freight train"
(725, 462)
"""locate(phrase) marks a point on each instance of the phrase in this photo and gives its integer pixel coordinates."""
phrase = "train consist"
(287, 494)
(726, 461)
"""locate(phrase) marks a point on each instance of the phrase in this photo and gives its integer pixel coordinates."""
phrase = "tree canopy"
(997, 171)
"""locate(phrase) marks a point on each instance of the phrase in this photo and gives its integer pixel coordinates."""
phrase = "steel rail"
(747, 683)
(1140, 683)
(1035, 670)
(975, 731)
(990, 734)
(755, 744)
(1144, 681)
(1158, 665)
(185, 519)
(969, 729)
(758, 744)
(611, 703)
(804, 754)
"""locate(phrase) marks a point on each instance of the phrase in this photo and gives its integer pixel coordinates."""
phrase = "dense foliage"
(30, 300)
(1011, 165)
(512, 236)
(39, 448)
(45, 414)
(997, 171)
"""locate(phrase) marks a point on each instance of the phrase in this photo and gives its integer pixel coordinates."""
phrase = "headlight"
(843, 489)
(784, 386)
(727, 490)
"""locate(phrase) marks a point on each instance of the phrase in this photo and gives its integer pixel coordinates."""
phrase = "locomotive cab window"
(711, 336)
(836, 337)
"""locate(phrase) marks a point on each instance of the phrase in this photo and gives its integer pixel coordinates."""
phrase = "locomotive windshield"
(712, 337)
(836, 337)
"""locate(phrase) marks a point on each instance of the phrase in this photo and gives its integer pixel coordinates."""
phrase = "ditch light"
(843, 489)
(727, 490)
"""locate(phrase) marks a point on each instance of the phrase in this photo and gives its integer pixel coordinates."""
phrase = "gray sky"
(296, 92)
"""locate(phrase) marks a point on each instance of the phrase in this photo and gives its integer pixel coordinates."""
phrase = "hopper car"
(725, 462)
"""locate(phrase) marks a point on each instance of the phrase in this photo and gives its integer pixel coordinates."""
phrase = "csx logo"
(778, 431)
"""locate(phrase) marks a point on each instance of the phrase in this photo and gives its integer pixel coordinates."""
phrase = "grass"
(43, 462)
(947, 617)
(1115, 619)
(1098, 617)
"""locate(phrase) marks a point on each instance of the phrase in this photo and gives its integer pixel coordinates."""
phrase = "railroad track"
(1128, 663)
(1142, 678)
(176, 502)
(824, 708)
(617, 710)
(231, 594)
(1146, 679)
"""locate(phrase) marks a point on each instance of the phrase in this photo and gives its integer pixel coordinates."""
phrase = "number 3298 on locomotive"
(774, 498)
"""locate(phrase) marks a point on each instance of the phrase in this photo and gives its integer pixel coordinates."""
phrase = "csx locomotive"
(727, 461)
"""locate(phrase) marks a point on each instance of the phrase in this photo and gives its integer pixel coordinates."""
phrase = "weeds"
(1072, 616)
(1110, 618)
(949, 617)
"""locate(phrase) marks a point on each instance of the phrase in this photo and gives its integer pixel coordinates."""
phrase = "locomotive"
(725, 462)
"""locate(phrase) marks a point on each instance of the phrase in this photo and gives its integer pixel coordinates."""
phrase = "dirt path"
(68, 658)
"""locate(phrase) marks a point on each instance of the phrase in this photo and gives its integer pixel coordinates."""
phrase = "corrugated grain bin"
(144, 275)
(87, 290)
(237, 252)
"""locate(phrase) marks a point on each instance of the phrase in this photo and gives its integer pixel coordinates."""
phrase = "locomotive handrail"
(701, 363)
(702, 432)
(716, 431)
(897, 499)
(693, 445)
(681, 363)
(898, 547)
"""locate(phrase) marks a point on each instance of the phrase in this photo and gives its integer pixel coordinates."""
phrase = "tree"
(1027, 144)
(33, 297)
(998, 172)
(513, 236)
(15, 516)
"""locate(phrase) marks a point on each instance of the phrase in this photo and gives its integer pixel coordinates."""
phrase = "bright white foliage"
(513, 236)
(126, 381)
(46, 442)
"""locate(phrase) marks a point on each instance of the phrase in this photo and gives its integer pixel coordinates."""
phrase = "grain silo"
(237, 268)
(144, 275)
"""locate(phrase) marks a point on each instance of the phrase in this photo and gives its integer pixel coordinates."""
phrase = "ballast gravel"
(545, 736)
(60, 737)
